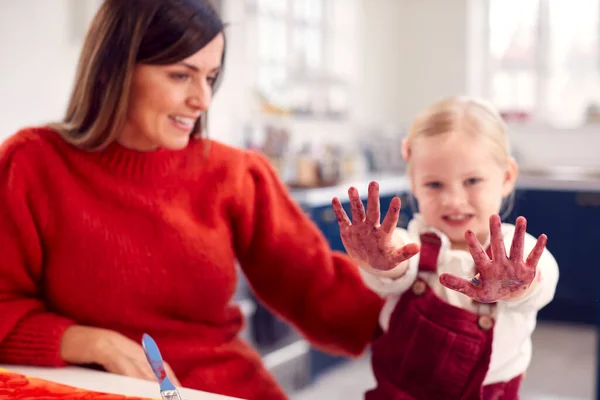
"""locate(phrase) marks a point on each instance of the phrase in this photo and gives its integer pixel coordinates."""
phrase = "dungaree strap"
(430, 249)
(431, 244)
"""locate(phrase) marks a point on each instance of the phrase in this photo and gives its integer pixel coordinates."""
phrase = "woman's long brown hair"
(122, 34)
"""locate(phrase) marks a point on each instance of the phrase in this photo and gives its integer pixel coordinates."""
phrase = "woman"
(122, 219)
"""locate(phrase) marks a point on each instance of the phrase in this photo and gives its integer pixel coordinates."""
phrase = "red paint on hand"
(366, 240)
(502, 277)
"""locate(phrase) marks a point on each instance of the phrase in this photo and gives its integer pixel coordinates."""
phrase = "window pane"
(271, 39)
(513, 33)
(514, 91)
(272, 7)
(513, 27)
(271, 80)
(310, 11)
(573, 60)
(308, 42)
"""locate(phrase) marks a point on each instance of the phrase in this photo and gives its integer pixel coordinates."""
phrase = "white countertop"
(106, 382)
(388, 184)
(397, 184)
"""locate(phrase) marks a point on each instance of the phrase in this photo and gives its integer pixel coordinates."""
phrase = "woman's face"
(166, 101)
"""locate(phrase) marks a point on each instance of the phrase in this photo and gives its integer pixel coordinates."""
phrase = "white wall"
(407, 54)
(546, 146)
(39, 58)
(40, 41)
(40, 38)
(414, 51)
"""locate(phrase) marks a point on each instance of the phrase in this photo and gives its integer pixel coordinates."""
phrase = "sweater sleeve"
(29, 333)
(292, 269)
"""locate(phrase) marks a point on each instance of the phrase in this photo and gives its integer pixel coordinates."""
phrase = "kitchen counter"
(106, 382)
(560, 178)
(388, 185)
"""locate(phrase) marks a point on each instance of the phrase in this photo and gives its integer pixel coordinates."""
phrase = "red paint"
(162, 374)
(365, 239)
(17, 386)
(501, 276)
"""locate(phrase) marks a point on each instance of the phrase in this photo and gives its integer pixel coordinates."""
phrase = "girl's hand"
(502, 277)
(366, 240)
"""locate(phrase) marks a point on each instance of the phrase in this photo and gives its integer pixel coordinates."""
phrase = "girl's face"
(459, 183)
(166, 101)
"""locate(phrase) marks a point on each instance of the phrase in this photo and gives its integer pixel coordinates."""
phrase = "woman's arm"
(292, 269)
(29, 333)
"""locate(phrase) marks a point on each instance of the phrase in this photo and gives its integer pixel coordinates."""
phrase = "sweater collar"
(124, 162)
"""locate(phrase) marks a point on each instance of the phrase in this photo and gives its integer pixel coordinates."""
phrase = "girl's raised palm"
(501, 277)
(366, 240)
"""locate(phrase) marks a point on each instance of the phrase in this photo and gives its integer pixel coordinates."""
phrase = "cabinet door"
(557, 214)
(586, 242)
(588, 246)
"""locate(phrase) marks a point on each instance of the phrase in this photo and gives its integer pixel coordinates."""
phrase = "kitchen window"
(291, 39)
(306, 54)
(544, 59)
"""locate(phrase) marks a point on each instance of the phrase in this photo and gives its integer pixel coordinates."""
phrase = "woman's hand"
(366, 240)
(115, 352)
(502, 277)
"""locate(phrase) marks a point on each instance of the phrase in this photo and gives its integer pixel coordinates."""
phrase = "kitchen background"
(326, 88)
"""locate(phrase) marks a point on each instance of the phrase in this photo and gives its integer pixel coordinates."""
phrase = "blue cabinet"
(567, 218)
(326, 220)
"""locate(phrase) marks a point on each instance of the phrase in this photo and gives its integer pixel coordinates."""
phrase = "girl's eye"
(472, 181)
(433, 185)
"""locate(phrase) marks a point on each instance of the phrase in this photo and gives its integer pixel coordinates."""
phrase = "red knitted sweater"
(147, 242)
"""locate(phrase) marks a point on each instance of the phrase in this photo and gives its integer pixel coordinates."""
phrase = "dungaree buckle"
(485, 322)
(419, 287)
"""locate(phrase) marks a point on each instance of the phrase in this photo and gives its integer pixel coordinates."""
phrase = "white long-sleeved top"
(514, 320)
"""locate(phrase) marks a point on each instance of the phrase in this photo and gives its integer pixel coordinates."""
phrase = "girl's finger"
(518, 242)
(496, 239)
(479, 255)
(373, 211)
(404, 253)
(340, 213)
(390, 221)
(536, 253)
(358, 210)
(460, 285)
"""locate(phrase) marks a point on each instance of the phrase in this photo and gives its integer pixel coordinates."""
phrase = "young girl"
(459, 315)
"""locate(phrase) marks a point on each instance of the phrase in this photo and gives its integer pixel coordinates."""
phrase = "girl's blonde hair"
(467, 115)
(460, 114)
